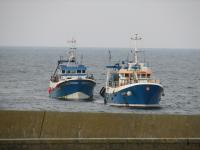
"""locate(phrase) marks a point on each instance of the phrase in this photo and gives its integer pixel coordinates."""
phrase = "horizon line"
(8, 46)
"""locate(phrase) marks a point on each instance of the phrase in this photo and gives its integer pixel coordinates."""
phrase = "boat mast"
(136, 38)
(72, 52)
(108, 71)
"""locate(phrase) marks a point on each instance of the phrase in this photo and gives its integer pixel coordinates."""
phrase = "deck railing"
(126, 82)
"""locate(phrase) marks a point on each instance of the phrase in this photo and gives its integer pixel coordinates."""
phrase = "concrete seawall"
(19, 128)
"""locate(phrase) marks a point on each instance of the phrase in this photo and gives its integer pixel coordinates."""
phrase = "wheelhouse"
(137, 73)
(72, 70)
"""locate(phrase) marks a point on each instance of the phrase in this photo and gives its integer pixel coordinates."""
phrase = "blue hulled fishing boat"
(131, 84)
(70, 80)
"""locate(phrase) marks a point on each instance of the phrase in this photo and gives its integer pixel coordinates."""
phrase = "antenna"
(109, 57)
(81, 58)
(144, 56)
(127, 59)
(135, 39)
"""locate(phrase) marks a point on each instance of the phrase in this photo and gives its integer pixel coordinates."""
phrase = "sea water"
(25, 74)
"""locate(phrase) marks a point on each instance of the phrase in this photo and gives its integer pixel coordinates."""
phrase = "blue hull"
(136, 95)
(71, 87)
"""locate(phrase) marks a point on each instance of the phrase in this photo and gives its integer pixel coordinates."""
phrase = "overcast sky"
(100, 23)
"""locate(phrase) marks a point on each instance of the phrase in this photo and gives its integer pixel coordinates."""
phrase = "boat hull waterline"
(135, 95)
(73, 90)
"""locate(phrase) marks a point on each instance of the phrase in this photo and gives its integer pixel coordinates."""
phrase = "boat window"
(138, 75)
(73, 71)
(126, 75)
(78, 71)
(63, 71)
(148, 75)
(143, 76)
(83, 71)
(68, 71)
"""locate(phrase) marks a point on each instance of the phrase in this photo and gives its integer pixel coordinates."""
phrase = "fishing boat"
(131, 83)
(71, 80)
